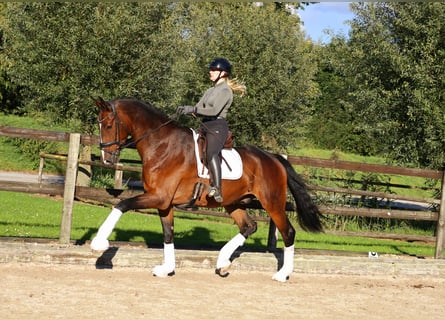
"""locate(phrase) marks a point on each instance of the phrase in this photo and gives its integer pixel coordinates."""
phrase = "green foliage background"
(393, 71)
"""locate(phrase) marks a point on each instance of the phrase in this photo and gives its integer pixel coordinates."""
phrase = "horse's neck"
(141, 125)
(169, 145)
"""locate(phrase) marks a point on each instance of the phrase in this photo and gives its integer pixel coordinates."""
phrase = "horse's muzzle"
(110, 158)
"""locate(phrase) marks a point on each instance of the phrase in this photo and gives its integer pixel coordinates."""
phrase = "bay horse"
(169, 175)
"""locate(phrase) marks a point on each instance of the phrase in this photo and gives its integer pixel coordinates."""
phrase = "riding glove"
(186, 109)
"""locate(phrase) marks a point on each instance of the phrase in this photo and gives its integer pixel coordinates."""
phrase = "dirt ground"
(39, 291)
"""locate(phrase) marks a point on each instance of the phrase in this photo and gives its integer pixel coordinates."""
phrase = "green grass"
(24, 215)
(14, 158)
(335, 154)
(35, 122)
(12, 163)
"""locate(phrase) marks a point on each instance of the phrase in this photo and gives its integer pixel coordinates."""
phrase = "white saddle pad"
(231, 156)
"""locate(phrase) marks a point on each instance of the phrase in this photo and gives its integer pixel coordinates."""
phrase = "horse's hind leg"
(247, 227)
(167, 268)
(288, 233)
(288, 255)
(278, 215)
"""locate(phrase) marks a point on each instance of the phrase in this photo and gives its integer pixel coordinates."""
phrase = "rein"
(130, 141)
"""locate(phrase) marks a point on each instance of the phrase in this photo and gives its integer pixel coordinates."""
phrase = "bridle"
(121, 144)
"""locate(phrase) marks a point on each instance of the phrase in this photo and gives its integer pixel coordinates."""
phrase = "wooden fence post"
(118, 174)
(440, 229)
(69, 189)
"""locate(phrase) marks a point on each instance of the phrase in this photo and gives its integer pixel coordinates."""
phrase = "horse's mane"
(145, 105)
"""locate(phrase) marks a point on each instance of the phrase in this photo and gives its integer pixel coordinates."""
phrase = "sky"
(325, 15)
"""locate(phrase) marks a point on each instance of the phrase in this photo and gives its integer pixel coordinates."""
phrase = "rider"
(213, 107)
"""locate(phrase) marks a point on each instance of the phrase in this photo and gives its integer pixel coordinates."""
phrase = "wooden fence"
(71, 191)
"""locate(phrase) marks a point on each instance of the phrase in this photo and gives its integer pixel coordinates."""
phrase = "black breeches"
(216, 132)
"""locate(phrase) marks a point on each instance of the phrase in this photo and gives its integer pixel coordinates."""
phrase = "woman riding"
(213, 108)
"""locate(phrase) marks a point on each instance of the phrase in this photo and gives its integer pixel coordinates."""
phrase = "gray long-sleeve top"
(216, 101)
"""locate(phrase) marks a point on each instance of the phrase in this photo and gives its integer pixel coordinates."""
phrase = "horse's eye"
(108, 127)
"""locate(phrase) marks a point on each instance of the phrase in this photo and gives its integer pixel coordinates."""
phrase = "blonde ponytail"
(237, 86)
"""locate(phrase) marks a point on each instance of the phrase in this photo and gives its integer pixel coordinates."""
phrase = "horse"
(169, 177)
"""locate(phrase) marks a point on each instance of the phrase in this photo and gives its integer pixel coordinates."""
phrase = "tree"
(63, 53)
(9, 93)
(396, 61)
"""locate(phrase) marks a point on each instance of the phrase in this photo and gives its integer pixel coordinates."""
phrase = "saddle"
(233, 172)
(202, 144)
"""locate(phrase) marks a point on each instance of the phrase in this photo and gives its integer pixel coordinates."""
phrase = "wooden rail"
(303, 161)
(364, 167)
(13, 132)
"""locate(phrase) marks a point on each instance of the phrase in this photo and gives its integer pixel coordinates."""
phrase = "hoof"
(99, 244)
(163, 275)
(223, 272)
(161, 272)
(281, 277)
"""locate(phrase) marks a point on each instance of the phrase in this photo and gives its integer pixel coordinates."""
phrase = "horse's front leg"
(167, 268)
(143, 201)
(100, 241)
(247, 227)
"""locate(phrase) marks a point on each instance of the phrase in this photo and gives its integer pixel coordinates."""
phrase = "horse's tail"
(307, 212)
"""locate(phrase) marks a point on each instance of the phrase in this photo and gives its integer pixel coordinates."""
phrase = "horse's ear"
(102, 104)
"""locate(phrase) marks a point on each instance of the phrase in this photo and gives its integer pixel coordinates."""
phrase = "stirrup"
(215, 193)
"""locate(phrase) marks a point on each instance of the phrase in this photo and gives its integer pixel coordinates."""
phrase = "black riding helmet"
(221, 64)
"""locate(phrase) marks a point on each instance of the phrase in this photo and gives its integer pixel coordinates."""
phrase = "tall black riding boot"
(215, 173)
